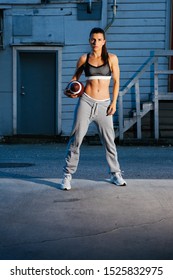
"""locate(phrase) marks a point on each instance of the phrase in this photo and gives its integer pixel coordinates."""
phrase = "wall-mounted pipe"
(89, 7)
(113, 17)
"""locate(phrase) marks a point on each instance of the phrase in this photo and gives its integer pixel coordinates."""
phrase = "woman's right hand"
(69, 94)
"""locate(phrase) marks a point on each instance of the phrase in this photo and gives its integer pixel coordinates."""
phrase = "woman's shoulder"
(113, 59)
(112, 56)
(83, 58)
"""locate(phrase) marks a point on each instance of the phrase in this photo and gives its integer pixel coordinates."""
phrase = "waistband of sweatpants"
(85, 97)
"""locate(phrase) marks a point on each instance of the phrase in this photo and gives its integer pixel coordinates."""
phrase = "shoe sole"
(122, 185)
(65, 189)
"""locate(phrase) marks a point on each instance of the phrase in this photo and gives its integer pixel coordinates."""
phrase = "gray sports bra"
(97, 72)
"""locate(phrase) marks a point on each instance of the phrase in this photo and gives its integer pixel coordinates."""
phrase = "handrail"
(135, 82)
(157, 96)
(149, 62)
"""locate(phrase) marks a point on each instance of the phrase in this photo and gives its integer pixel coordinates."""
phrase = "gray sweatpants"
(87, 111)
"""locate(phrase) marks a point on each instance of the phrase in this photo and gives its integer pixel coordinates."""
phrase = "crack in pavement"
(88, 235)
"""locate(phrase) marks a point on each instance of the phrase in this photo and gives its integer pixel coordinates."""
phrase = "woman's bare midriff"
(98, 89)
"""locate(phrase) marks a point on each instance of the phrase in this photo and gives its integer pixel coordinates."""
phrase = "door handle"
(23, 90)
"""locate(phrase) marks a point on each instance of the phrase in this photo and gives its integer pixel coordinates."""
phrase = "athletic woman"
(95, 106)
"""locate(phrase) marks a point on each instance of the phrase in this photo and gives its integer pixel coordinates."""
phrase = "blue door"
(36, 93)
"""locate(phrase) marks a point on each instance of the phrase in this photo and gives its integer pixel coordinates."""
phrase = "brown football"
(75, 88)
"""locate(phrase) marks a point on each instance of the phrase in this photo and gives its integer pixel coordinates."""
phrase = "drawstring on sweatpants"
(94, 110)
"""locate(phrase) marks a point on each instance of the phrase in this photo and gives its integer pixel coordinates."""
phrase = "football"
(74, 88)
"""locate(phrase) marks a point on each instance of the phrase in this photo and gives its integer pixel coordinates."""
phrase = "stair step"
(130, 121)
(135, 113)
(147, 106)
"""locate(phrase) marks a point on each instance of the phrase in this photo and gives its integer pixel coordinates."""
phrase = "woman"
(95, 105)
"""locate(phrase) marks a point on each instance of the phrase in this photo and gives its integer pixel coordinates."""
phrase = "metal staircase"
(142, 108)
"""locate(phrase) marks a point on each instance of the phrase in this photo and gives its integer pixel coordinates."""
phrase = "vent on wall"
(89, 10)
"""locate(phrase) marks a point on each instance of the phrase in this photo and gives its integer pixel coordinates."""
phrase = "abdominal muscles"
(98, 89)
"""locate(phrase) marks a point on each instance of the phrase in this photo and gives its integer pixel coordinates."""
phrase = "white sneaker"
(65, 185)
(117, 179)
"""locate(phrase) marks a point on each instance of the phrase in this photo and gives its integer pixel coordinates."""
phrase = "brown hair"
(104, 49)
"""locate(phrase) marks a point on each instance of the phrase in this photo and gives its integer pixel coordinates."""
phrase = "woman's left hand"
(111, 109)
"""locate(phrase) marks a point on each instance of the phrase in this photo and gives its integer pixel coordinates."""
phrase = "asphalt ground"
(95, 220)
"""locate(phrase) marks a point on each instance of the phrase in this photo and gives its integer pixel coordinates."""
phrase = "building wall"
(139, 28)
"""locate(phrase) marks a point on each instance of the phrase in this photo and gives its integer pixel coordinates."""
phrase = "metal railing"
(157, 95)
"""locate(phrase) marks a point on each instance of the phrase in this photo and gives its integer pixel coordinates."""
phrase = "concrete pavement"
(95, 220)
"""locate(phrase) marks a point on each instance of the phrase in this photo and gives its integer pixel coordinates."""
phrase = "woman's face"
(97, 41)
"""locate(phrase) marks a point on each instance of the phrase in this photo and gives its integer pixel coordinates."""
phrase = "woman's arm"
(79, 68)
(77, 74)
(116, 81)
